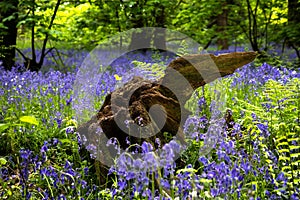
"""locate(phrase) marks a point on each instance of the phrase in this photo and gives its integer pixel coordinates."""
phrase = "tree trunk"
(33, 64)
(253, 27)
(293, 11)
(294, 26)
(222, 20)
(159, 39)
(139, 39)
(8, 35)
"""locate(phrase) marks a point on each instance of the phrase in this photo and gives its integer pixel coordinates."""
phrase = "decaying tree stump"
(148, 109)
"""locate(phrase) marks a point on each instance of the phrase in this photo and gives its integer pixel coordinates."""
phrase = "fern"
(279, 109)
(151, 71)
(284, 102)
(288, 147)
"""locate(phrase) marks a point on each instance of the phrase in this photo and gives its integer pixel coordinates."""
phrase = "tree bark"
(139, 39)
(222, 20)
(159, 39)
(32, 63)
(252, 27)
(293, 11)
(142, 39)
(8, 35)
(294, 26)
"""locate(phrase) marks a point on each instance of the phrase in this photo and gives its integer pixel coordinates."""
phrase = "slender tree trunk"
(293, 23)
(159, 40)
(252, 28)
(8, 35)
(142, 39)
(32, 64)
(139, 39)
(222, 20)
(47, 34)
(293, 11)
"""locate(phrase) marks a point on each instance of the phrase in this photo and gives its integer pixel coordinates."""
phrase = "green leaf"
(2, 161)
(3, 127)
(284, 158)
(268, 161)
(283, 144)
(296, 163)
(67, 141)
(191, 170)
(283, 150)
(295, 155)
(2, 26)
(281, 138)
(294, 147)
(11, 17)
(286, 169)
(204, 180)
(296, 181)
(29, 119)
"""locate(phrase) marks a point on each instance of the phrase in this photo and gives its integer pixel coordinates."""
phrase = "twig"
(47, 33)
(20, 52)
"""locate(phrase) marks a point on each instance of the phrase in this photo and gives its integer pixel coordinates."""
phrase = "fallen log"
(142, 110)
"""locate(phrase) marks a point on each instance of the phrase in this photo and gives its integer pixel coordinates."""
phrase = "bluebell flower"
(203, 160)
(127, 141)
(151, 161)
(281, 177)
(44, 148)
(213, 192)
(254, 116)
(295, 196)
(211, 174)
(25, 154)
(165, 183)
(157, 142)
(83, 183)
(246, 167)
(122, 184)
(86, 171)
(56, 142)
(70, 130)
(146, 147)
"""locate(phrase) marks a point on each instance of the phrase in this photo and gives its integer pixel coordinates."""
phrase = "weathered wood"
(134, 100)
(202, 69)
(196, 69)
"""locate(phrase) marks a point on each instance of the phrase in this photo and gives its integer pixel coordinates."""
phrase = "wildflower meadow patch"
(254, 154)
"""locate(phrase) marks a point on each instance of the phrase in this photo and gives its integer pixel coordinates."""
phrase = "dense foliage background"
(42, 45)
